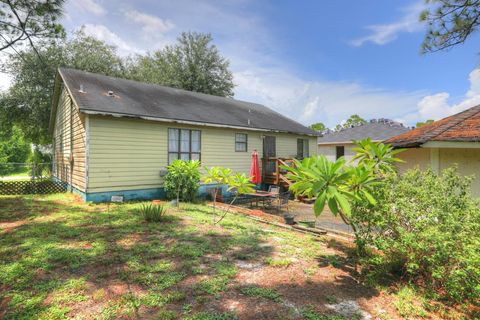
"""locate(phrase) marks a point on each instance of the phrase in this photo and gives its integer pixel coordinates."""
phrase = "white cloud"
(437, 106)
(381, 34)
(324, 101)
(149, 23)
(101, 32)
(90, 6)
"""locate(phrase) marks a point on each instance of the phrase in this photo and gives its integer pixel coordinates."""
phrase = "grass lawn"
(61, 258)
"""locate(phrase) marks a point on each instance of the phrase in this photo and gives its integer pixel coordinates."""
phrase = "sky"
(314, 61)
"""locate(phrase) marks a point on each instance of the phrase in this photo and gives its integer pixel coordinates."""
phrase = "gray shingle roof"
(374, 130)
(137, 99)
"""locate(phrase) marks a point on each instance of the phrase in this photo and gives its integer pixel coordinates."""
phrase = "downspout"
(71, 145)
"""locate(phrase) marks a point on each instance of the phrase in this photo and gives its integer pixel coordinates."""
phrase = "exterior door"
(269, 151)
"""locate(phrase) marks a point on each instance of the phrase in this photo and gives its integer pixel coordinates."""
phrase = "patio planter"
(289, 219)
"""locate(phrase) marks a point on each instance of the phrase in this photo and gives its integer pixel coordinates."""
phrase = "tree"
(27, 20)
(193, 64)
(320, 127)
(13, 149)
(340, 186)
(449, 23)
(354, 120)
(28, 101)
(238, 183)
(421, 124)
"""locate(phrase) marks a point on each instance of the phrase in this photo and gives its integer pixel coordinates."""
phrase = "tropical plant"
(378, 155)
(182, 180)
(152, 212)
(236, 183)
(341, 187)
(220, 176)
(239, 184)
(331, 183)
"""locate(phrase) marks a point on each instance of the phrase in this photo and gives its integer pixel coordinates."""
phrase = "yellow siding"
(414, 157)
(127, 154)
(69, 139)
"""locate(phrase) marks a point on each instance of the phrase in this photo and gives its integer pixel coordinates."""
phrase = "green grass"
(61, 258)
(66, 253)
(266, 293)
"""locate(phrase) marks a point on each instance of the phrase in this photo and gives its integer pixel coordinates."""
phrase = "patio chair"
(282, 201)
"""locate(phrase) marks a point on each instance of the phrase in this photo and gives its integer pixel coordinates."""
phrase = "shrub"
(182, 180)
(152, 212)
(427, 226)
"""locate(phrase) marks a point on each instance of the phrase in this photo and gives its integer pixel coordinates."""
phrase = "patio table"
(258, 196)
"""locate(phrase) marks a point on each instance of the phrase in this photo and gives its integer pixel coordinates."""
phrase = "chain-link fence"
(29, 178)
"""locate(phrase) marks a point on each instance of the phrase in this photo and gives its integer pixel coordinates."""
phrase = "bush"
(182, 180)
(427, 226)
(152, 212)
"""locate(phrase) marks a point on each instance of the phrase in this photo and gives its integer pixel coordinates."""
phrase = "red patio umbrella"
(255, 169)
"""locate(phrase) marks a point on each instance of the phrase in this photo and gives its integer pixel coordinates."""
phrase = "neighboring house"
(454, 140)
(336, 144)
(115, 136)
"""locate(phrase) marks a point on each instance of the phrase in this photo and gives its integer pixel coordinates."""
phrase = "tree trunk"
(227, 209)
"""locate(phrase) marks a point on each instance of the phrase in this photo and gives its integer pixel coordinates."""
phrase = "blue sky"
(311, 60)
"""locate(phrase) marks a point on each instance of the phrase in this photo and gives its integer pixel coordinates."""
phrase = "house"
(114, 136)
(336, 144)
(454, 140)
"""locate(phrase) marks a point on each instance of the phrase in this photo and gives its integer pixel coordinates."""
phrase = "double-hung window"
(302, 148)
(241, 141)
(183, 144)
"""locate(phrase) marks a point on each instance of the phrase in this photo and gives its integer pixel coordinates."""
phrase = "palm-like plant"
(217, 175)
(333, 184)
(378, 155)
(240, 184)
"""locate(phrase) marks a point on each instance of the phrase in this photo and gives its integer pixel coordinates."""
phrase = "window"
(302, 148)
(183, 144)
(340, 151)
(241, 141)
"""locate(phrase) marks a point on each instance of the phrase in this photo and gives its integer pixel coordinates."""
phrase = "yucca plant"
(152, 212)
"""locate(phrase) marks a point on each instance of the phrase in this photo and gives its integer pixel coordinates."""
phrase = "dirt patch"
(7, 227)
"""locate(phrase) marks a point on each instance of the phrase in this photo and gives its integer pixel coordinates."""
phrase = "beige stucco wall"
(467, 160)
(128, 154)
(414, 157)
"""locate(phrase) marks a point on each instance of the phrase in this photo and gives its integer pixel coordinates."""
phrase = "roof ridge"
(459, 117)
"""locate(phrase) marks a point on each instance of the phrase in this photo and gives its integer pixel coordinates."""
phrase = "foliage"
(182, 180)
(340, 186)
(14, 146)
(193, 64)
(29, 21)
(152, 212)
(237, 183)
(354, 120)
(319, 126)
(421, 124)
(28, 102)
(427, 226)
(449, 23)
(13, 149)
(381, 156)
(266, 293)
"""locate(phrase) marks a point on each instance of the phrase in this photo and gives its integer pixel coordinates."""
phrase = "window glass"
(183, 144)
(340, 151)
(173, 140)
(195, 141)
(185, 140)
(241, 140)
